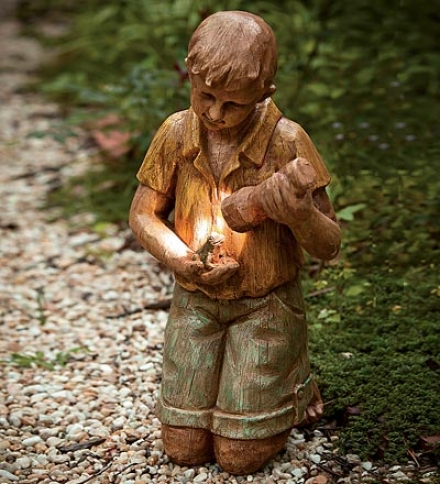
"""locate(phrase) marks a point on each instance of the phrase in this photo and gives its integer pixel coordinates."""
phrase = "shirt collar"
(254, 144)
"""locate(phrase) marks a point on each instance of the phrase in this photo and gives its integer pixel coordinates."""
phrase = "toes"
(311, 414)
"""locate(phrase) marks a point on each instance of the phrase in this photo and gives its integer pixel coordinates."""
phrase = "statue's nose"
(215, 112)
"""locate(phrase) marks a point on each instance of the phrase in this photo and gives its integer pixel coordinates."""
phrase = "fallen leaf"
(114, 143)
(429, 442)
(432, 364)
(353, 410)
(88, 444)
(110, 139)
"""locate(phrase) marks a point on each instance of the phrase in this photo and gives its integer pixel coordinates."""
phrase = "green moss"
(383, 360)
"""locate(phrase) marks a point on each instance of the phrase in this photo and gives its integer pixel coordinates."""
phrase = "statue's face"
(219, 109)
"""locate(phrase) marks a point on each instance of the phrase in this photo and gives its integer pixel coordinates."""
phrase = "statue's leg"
(265, 380)
(193, 348)
(187, 446)
(247, 456)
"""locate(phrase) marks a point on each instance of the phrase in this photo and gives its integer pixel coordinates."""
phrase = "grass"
(40, 360)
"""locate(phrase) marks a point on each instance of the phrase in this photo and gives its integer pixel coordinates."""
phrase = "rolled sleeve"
(159, 165)
(306, 149)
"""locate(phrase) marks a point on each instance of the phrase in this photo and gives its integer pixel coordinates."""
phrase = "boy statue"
(247, 188)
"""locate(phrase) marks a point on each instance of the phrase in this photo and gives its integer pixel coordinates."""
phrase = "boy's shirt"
(178, 167)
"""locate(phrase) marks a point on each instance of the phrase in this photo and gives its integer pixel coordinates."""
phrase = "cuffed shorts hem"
(245, 427)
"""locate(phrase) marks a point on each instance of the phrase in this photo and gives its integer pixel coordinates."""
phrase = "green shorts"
(238, 368)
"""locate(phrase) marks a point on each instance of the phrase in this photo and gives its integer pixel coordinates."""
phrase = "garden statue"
(247, 188)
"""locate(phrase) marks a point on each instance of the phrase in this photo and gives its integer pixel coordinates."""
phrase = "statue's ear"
(268, 92)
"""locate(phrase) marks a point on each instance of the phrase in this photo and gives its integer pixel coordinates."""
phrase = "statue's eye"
(235, 105)
(208, 96)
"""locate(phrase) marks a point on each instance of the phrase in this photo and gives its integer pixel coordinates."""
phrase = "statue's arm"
(289, 197)
(148, 221)
(319, 234)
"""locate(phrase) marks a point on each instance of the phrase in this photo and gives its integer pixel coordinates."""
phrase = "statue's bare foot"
(313, 413)
(315, 408)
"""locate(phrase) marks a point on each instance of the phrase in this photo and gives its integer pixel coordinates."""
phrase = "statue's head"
(233, 50)
(232, 61)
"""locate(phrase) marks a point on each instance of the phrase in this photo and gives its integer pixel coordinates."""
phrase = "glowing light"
(201, 231)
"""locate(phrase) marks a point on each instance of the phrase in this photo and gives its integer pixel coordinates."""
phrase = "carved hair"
(233, 49)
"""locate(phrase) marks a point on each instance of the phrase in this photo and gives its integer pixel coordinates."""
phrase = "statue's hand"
(287, 195)
(189, 266)
(218, 273)
(193, 269)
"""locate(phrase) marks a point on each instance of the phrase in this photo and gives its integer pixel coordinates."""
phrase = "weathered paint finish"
(236, 370)
(234, 362)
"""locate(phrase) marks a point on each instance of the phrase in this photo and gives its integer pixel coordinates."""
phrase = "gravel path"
(81, 356)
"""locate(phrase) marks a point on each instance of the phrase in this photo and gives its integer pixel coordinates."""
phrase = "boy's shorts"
(238, 368)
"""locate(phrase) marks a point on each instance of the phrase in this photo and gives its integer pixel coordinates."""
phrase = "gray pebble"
(7, 475)
(29, 442)
(189, 474)
(201, 477)
(24, 462)
(316, 458)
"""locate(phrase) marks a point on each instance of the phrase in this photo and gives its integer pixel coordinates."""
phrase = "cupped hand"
(189, 266)
(218, 273)
(193, 269)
